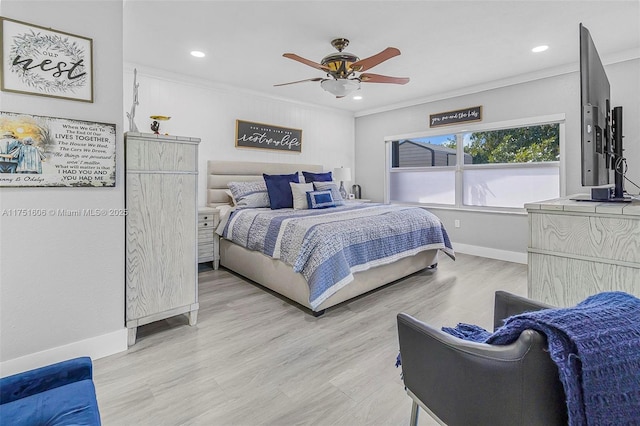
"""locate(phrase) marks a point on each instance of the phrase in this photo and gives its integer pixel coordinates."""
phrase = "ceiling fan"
(341, 69)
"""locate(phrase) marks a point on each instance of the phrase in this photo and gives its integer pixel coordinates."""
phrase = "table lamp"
(342, 174)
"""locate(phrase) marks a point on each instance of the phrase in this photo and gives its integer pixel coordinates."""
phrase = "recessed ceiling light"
(538, 49)
(357, 98)
(197, 54)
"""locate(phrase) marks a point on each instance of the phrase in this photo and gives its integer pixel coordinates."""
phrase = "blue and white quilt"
(327, 246)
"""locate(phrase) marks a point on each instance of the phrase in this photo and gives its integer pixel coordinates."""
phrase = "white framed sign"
(50, 151)
(46, 62)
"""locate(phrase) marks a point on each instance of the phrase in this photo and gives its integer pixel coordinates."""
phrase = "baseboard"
(491, 253)
(94, 347)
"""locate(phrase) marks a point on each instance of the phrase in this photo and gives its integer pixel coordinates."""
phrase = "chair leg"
(414, 414)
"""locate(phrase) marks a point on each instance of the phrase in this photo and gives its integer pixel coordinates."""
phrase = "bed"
(279, 276)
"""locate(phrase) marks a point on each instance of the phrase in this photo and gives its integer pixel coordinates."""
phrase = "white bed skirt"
(279, 277)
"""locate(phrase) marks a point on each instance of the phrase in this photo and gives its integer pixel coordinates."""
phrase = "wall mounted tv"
(601, 126)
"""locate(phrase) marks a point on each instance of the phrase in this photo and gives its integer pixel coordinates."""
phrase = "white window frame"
(558, 119)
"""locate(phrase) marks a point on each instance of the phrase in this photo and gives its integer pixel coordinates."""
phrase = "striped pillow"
(249, 194)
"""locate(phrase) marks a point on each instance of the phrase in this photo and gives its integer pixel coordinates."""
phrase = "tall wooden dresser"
(161, 228)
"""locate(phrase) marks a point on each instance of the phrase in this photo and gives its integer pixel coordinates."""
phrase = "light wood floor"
(254, 359)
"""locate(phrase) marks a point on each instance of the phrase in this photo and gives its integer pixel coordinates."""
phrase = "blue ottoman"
(58, 394)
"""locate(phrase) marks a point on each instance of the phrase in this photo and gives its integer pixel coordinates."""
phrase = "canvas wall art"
(50, 151)
(46, 62)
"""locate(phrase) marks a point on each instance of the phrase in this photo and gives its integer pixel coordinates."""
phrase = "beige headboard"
(220, 173)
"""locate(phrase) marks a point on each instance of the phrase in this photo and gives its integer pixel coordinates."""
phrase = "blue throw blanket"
(596, 346)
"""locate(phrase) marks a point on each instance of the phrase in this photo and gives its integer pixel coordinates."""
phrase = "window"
(498, 168)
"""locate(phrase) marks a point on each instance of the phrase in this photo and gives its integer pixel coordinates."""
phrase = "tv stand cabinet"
(580, 248)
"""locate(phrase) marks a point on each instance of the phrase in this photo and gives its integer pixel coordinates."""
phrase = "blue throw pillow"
(330, 186)
(320, 199)
(279, 190)
(317, 177)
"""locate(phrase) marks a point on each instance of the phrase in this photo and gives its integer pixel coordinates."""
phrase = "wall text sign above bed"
(455, 117)
(266, 136)
(49, 151)
(41, 61)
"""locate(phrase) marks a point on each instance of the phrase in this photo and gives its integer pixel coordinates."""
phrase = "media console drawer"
(614, 238)
(577, 249)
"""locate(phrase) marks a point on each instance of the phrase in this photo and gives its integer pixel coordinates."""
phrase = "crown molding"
(173, 77)
(618, 57)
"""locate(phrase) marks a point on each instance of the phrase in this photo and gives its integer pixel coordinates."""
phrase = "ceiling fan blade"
(306, 61)
(377, 78)
(372, 61)
(299, 81)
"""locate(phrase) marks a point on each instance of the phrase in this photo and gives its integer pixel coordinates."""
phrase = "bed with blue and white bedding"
(328, 246)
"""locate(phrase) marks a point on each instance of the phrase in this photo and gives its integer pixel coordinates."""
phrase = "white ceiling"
(447, 46)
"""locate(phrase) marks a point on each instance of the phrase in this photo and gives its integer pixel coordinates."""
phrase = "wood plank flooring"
(255, 359)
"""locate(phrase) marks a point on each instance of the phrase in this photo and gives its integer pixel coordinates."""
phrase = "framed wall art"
(448, 118)
(266, 136)
(46, 62)
(51, 151)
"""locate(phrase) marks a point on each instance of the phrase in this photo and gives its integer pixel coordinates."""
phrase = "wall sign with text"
(49, 151)
(266, 136)
(455, 117)
(41, 61)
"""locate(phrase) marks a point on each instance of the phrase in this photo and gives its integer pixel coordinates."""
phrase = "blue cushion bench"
(57, 394)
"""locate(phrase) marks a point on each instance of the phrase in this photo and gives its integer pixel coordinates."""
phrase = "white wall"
(625, 91)
(489, 233)
(208, 111)
(62, 278)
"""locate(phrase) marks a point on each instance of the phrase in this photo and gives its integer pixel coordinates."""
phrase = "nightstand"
(208, 219)
(358, 200)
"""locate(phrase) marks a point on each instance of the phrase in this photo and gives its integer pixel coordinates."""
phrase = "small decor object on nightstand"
(342, 174)
(155, 126)
(357, 191)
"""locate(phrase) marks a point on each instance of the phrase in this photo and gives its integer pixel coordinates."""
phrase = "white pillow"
(299, 191)
(249, 194)
(230, 194)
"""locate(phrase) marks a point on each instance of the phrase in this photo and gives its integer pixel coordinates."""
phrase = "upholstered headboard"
(220, 173)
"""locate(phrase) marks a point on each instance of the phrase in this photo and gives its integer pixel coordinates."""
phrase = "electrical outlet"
(456, 223)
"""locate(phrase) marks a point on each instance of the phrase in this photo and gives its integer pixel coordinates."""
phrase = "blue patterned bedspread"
(327, 246)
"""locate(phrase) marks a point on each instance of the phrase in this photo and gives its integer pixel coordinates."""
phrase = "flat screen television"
(601, 126)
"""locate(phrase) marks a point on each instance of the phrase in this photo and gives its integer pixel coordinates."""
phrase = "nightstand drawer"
(207, 221)
(205, 234)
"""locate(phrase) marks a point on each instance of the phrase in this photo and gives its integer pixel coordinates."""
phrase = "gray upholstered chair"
(466, 383)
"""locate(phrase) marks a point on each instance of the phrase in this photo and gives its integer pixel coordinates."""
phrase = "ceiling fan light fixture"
(341, 68)
(340, 87)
